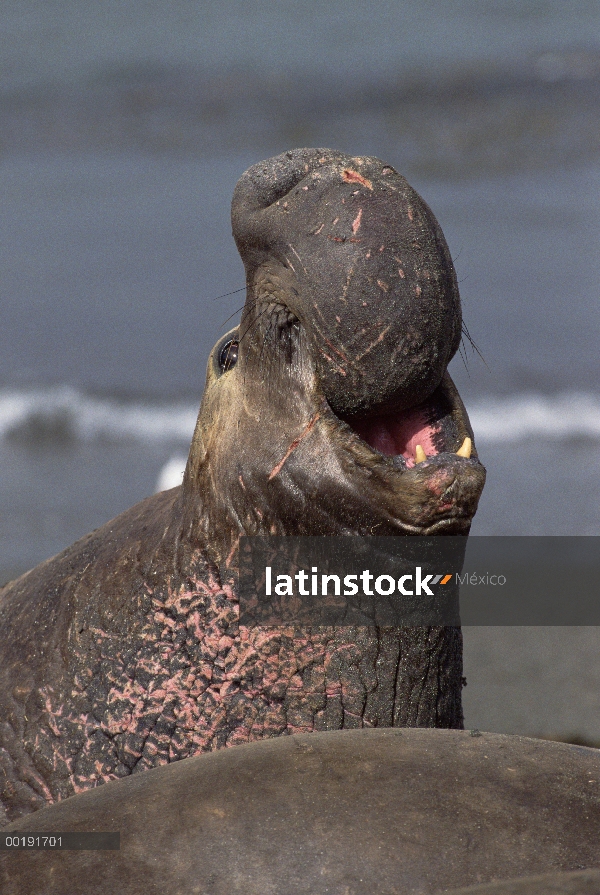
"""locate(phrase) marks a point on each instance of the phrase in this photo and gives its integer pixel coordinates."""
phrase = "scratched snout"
(366, 270)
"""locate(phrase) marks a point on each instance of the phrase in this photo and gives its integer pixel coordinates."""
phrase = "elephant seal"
(357, 812)
(327, 411)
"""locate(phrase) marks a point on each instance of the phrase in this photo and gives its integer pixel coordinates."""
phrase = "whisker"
(225, 322)
(253, 322)
(251, 304)
(226, 294)
(463, 357)
(471, 341)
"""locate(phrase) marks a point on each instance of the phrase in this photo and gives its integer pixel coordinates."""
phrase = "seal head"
(339, 381)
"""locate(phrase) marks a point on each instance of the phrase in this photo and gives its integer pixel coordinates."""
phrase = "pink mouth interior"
(399, 434)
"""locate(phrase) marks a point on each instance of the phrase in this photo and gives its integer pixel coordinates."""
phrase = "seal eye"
(228, 355)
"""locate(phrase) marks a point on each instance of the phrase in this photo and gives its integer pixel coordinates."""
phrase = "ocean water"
(123, 129)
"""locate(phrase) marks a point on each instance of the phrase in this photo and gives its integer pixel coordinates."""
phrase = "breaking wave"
(67, 414)
(563, 417)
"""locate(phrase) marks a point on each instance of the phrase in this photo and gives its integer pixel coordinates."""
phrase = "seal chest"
(327, 411)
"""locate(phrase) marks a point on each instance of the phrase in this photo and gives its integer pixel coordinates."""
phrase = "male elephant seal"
(363, 812)
(338, 417)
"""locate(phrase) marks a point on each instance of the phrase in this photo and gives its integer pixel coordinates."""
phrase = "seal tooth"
(465, 449)
(420, 454)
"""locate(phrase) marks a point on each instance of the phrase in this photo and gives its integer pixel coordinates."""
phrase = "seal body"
(378, 811)
(124, 652)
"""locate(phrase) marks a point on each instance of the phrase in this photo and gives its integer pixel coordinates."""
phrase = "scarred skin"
(124, 652)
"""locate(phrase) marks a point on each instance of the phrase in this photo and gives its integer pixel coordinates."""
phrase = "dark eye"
(228, 355)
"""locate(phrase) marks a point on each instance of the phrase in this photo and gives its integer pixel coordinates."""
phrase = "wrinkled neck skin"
(270, 456)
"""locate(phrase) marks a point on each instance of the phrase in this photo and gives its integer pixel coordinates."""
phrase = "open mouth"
(412, 436)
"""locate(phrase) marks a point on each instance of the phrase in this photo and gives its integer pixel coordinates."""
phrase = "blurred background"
(123, 129)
